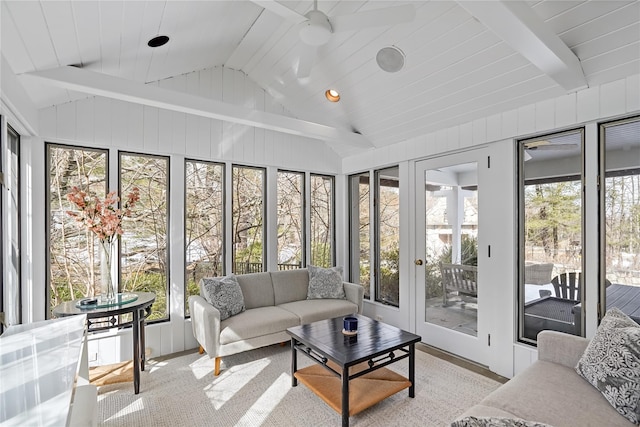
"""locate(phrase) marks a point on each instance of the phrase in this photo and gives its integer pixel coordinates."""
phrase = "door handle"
(418, 262)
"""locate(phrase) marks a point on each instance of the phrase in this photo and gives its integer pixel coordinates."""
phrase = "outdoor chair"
(538, 274)
(567, 285)
(459, 278)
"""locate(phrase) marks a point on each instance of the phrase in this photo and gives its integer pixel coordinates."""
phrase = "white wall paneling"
(104, 122)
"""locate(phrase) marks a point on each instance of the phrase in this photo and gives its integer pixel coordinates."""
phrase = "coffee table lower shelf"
(364, 391)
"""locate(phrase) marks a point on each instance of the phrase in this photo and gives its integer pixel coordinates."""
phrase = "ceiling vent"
(390, 59)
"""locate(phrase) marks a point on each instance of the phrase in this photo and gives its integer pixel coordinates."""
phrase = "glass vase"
(107, 288)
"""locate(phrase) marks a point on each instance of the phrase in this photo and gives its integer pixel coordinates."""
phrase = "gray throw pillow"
(611, 363)
(325, 283)
(495, 422)
(225, 294)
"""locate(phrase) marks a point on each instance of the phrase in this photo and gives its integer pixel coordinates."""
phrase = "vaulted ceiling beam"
(99, 84)
(519, 26)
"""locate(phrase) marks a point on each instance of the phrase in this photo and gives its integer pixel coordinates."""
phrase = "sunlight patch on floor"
(202, 367)
(259, 411)
(137, 405)
(232, 380)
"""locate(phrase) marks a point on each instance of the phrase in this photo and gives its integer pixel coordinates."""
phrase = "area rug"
(254, 389)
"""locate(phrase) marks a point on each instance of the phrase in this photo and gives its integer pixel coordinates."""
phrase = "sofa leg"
(282, 344)
(216, 370)
(201, 350)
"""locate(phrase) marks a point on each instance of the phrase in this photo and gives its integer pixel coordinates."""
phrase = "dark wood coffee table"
(350, 373)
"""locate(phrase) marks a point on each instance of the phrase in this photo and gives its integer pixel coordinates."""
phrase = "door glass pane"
(387, 236)
(248, 219)
(290, 220)
(359, 231)
(622, 216)
(204, 224)
(551, 232)
(451, 252)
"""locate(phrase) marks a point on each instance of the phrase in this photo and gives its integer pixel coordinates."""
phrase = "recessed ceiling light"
(332, 95)
(158, 41)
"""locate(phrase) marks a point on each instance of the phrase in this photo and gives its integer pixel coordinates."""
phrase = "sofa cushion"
(325, 283)
(554, 394)
(611, 363)
(472, 421)
(223, 293)
(256, 322)
(257, 289)
(290, 285)
(313, 310)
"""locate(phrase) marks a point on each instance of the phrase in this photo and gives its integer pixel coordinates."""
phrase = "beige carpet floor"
(254, 389)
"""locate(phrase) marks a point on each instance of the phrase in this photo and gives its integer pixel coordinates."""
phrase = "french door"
(448, 266)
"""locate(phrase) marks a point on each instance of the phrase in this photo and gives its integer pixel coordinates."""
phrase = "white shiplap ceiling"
(458, 67)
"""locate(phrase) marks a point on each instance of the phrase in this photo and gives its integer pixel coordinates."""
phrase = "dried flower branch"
(102, 217)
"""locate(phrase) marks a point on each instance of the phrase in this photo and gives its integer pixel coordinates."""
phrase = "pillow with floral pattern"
(611, 363)
(225, 294)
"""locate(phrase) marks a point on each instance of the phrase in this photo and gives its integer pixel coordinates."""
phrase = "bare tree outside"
(74, 260)
(204, 224)
(290, 220)
(321, 221)
(388, 236)
(360, 230)
(248, 219)
(143, 244)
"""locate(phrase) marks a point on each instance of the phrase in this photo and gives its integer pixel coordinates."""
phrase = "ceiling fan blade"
(280, 10)
(306, 60)
(374, 18)
(552, 147)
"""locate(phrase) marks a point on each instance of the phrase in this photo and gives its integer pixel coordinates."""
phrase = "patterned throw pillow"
(611, 363)
(224, 293)
(325, 283)
(495, 422)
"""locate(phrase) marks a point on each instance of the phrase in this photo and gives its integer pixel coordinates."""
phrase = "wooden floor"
(463, 363)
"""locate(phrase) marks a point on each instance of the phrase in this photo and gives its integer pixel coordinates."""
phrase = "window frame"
(521, 228)
(303, 222)
(377, 256)
(225, 221)
(332, 214)
(47, 187)
(120, 154)
(264, 216)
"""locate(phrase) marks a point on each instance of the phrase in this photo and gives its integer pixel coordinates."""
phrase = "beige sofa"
(274, 301)
(550, 391)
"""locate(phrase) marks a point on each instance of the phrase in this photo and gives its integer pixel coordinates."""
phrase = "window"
(73, 262)
(12, 305)
(248, 219)
(290, 220)
(387, 236)
(621, 204)
(204, 224)
(322, 221)
(359, 232)
(144, 246)
(551, 234)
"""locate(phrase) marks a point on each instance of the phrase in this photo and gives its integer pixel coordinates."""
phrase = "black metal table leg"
(412, 370)
(294, 363)
(143, 355)
(345, 397)
(136, 351)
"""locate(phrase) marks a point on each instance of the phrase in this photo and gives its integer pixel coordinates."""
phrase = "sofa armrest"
(561, 348)
(205, 323)
(354, 293)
